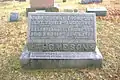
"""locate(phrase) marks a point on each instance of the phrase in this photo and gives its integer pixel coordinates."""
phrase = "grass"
(13, 39)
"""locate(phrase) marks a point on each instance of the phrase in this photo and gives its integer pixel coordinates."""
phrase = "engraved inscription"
(62, 55)
(61, 32)
(62, 47)
(61, 26)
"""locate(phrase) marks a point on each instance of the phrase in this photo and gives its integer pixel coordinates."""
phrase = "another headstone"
(90, 1)
(21, 0)
(41, 3)
(47, 5)
(14, 16)
(102, 11)
(61, 40)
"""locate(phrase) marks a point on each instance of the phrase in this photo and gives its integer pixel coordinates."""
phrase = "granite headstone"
(90, 1)
(101, 11)
(41, 3)
(47, 5)
(61, 40)
(14, 16)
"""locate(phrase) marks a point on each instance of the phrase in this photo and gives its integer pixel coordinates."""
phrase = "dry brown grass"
(13, 37)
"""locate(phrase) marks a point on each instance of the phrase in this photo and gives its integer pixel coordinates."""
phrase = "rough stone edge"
(27, 63)
(25, 58)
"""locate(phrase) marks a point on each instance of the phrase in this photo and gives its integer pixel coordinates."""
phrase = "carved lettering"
(64, 47)
(51, 47)
(61, 32)
(58, 47)
(44, 47)
(72, 47)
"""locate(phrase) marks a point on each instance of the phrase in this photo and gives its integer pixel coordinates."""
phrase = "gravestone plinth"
(51, 9)
(61, 40)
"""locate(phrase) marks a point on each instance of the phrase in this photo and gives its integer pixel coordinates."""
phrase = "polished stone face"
(61, 32)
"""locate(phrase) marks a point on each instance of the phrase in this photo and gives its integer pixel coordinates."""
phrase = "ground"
(13, 39)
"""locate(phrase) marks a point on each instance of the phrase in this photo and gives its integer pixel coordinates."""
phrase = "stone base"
(40, 60)
(32, 10)
(51, 9)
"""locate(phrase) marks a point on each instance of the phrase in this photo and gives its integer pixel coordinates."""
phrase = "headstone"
(102, 11)
(14, 16)
(47, 5)
(22, 0)
(61, 40)
(90, 1)
(41, 3)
